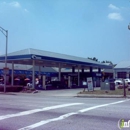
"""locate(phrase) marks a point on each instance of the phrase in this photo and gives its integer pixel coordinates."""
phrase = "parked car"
(128, 87)
(118, 82)
(127, 81)
(56, 85)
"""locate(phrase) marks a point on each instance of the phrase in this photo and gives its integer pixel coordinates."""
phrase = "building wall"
(122, 73)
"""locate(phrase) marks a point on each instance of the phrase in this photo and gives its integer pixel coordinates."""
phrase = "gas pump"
(72, 80)
(44, 81)
(69, 82)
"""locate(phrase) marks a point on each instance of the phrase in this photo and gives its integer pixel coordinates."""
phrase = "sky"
(83, 28)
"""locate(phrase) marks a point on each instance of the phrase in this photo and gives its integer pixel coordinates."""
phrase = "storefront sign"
(98, 74)
(90, 84)
(36, 57)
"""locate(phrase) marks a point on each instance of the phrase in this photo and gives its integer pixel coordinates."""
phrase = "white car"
(118, 82)
(127, 81)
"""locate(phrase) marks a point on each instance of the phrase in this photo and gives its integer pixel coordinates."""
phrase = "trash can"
(105, 86)
(108, 85)
(112, 86)
(102, 85)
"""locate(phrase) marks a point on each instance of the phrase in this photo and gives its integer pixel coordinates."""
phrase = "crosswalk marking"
(37, 110)
(68, 115)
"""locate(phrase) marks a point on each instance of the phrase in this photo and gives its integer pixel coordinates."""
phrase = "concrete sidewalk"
(65, 93)
(102, 96)
(60, 92)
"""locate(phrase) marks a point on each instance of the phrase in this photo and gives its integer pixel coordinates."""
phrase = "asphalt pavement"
(55, 110)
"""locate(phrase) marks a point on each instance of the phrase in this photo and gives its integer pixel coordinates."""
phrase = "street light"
(129, 26)
(124, 80)
(5, 32)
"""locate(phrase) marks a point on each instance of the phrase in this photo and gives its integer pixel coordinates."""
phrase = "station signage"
(98, 74)
(36, 57)
(90, 84)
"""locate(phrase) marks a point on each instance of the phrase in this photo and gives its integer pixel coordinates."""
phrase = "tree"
(94, 58)
(103, 62)
(107, 62)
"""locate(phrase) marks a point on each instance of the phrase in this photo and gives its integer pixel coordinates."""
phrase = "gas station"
(43, 58)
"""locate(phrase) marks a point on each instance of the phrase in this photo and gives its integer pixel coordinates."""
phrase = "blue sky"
(84, 28)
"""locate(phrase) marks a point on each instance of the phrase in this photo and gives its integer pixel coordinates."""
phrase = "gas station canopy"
(51, 59)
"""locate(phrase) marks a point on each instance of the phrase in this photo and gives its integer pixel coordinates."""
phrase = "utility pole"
(129, 26)
(124, 88)
(5, 32)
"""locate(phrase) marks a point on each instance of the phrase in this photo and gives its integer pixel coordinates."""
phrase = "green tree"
(94, 58)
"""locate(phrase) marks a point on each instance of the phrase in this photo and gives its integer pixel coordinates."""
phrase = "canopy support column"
(39, 69)
(59, 72)
(33, 74)
(78, 77)
(12, 77)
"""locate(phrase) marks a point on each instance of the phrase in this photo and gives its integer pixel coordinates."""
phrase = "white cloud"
(12, 4)
(115, 16)
(113, 7)
(4, 2)
(15, 4)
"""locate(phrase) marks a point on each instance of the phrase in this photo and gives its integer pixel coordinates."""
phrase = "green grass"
(106, 92)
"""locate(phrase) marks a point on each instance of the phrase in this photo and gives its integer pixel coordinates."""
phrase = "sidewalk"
(60, 92)
(65, 93)
(102, 96)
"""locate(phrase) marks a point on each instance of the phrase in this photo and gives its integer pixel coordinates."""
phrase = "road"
(56, 112)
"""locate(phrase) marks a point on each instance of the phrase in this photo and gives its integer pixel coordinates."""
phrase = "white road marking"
(87, 109)
(37, 110)
(68, 115)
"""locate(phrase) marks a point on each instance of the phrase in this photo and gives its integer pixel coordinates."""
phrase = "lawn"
(106, 92)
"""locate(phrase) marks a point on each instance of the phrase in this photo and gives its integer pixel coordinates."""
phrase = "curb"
(101, 96)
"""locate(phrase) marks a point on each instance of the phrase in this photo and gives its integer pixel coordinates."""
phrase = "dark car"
(56, 85)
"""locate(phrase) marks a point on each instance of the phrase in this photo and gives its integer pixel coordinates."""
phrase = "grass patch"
(106, 92)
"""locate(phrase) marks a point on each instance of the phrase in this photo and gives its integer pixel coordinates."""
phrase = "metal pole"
(12, 78)
(6, 60)
(6, 48)
(78, 77)
(129, 26)
(5, 32)
(124, 88)
(59, 72)
(39, 69)
(33, 75)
